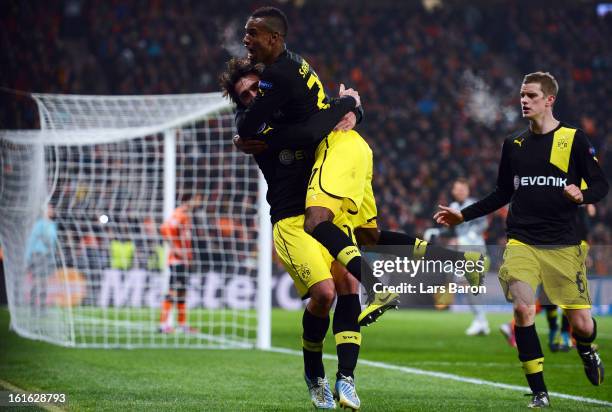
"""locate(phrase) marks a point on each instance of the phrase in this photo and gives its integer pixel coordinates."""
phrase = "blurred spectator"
(438, 86)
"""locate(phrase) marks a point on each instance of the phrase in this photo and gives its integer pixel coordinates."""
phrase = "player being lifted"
(340, 181)
(287, 174)
(540, 175)
(286, 171)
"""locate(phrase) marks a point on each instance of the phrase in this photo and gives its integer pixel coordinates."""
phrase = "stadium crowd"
(440, 87)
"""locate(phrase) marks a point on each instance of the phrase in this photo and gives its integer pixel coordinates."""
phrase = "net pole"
(169, 172)
(264, 265)
(169, 191)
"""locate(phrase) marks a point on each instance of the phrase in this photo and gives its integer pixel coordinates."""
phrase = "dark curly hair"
(235, 70)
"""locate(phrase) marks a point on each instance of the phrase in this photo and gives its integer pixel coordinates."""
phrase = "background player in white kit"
(471, 234)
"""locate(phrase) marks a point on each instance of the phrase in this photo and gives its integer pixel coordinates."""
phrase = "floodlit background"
(439, 81)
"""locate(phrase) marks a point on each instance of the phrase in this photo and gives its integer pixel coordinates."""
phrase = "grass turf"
(186, 379)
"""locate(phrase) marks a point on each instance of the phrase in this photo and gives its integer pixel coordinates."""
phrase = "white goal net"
(85, 206)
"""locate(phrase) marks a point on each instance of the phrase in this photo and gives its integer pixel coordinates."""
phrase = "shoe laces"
(590, 356)
(536, 396)
(351, 385)
(319, 389)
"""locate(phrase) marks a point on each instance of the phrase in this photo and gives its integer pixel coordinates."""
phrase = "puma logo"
(385, 299)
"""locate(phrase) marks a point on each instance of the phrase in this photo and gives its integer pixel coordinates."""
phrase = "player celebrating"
(558, 341)
(288, 84)
(540, 173)
(341, 177)
(286, 189)
(308, 263)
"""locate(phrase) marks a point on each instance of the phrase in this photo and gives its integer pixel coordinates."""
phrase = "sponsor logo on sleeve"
(265, 85)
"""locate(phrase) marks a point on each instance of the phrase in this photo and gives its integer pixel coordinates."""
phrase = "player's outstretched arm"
(448, 216)
(305, 134)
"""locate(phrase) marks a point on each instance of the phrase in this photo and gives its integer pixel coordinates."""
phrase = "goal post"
(81, 205)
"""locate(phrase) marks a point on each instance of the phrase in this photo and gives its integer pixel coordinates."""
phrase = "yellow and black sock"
(530, 354)
(584, 344)
(552, 317)
(315, 329)
(340, 246)
(347, 332)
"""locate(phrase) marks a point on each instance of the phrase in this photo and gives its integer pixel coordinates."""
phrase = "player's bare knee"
(524, 314)
(322, 295)
(583, 328)
(314, 216)
(326, 298)
(367, 236)
(581, 322)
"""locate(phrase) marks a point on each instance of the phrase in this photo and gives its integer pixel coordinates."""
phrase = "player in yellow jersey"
(289, 92)
(540, 175)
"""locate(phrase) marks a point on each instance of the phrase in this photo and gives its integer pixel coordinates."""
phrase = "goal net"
(82, 205)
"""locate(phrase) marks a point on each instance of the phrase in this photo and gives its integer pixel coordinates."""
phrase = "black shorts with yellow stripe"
(305, 259)
(341, 178)
(561, 271)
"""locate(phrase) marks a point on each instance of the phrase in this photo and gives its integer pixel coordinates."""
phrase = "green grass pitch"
(251, 380)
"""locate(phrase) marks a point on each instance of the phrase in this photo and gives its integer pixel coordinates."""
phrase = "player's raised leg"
(566, 284)
(340, 186)
(336, 186)
(418, 248)
(585, 331)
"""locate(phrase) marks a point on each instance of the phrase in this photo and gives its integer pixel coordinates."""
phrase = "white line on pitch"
(46, 406)
(483, 364)
(448, 376)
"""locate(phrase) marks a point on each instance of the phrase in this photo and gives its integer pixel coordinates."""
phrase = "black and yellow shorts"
(561, 272)
(305, 259)
(341, 178)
